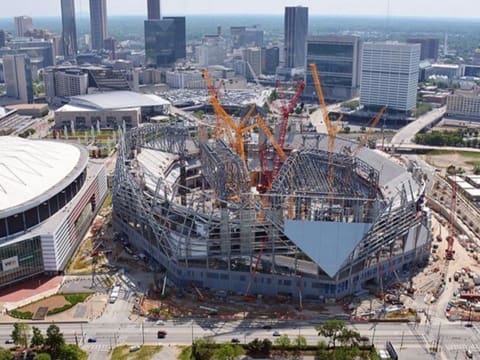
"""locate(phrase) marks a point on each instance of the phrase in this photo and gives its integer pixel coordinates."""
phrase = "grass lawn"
(146, 352)
(186, 353)
(467, 154)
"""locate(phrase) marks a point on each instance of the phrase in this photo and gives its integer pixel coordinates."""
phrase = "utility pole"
(143, 334)
(401, 343)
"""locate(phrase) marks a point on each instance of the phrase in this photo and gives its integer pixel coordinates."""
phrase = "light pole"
(143, 333)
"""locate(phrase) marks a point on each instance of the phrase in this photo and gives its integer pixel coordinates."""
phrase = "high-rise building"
(69, 29)
(213, 50)
(18, 77)
(296, 30)
(23, 24)
(165, 41)
(98, 23)
(3, 38)
(253, 60)
(243, 36)
(271, 60)
(430, 47)
(153, 9)
(39, 50)
(338, 62)
(65, 82)
(389, 75)
(110, 46)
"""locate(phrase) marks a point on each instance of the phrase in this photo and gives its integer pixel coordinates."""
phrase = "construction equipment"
(331, 129)
(286, 111)
(369, 131)
(449, 252)
(200, 296)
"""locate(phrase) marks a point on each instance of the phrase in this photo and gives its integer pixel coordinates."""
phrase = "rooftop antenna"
(387, 21)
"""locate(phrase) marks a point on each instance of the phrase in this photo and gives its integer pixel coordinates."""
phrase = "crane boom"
(366, 136)
(286, 111)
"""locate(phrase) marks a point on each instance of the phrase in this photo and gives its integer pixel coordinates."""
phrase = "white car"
(134, 348)
(160, 323)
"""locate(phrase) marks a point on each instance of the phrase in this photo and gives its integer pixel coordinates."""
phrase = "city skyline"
(426, 8)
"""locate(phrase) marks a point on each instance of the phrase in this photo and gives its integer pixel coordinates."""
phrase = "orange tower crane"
(369, 132)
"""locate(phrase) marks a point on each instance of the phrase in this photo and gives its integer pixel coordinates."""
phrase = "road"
(406, 134)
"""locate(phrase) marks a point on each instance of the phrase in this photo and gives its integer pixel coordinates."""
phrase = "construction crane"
(449, 252)
(331, 129)
(286, 111)
(371, 128)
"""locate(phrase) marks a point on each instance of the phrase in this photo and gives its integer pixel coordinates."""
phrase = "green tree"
(227, 352)
(20, 334)
(331, 329)
(37, 338)
(349, 337)
(476, 169)
(43, 356)
(283, 342)
(300, 342)
(5, 354)
(55, 340)
(71, 352)
(259, 348)
(203, 348)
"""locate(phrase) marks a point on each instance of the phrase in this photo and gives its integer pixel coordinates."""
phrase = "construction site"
(257, 206)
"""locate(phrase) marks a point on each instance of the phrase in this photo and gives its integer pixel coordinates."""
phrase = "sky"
(428, 8)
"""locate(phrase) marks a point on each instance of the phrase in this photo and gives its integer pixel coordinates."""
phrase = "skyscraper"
(338, 61)
(18, 77)
(98, 23)
(429, 49)
(153, 9)
(296, 29)
(3, 38)
(23, 24)
(69, 28)
(390, 75)
(165, 41)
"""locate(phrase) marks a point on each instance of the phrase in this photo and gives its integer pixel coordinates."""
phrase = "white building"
(213, 50)
(187, 79)
(389, 75)
(253, 61)
(65, 82)
(464, 104)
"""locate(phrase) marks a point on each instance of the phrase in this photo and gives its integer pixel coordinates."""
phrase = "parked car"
(134, 348)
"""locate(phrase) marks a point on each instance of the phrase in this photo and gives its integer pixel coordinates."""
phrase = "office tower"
(430, 46)
(98, 23)
(3, 38)
(65, 82)
(69, 29)
(338, 62)
(23, 24)
(165, 41)
(213, 50)
(389, 75)
(39, 50)
(253, 60)
(153, 9)
(18, 77)
(296, 29)
(110, 46)
(242, 36)
(271, 60)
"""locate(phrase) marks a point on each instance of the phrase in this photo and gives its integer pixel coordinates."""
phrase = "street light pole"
(143, 334)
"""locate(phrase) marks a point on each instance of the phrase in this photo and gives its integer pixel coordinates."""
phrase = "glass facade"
(165, 40)
(20, 260)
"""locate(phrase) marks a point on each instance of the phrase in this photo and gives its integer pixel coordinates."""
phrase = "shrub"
(59, 309)
(27, 315)
(74, 299)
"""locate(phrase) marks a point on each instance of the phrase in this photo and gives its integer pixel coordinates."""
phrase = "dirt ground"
(442, 161)
(53, 302)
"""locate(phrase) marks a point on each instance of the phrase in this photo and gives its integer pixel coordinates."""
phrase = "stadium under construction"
(330, 222)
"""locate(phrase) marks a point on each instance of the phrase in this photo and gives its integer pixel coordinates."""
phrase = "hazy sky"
(428, 8)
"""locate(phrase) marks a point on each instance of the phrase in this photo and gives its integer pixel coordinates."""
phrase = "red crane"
(286, 111)
(449, 252)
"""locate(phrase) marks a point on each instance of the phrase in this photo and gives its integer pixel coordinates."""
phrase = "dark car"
(161, 334)
(266, 327)
(92, 340)
(235, 341)
(9, 341)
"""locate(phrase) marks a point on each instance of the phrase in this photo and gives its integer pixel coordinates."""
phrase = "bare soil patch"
(52, 302)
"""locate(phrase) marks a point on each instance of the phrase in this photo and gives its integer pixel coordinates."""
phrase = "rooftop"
(117, 100)
(30, 170)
